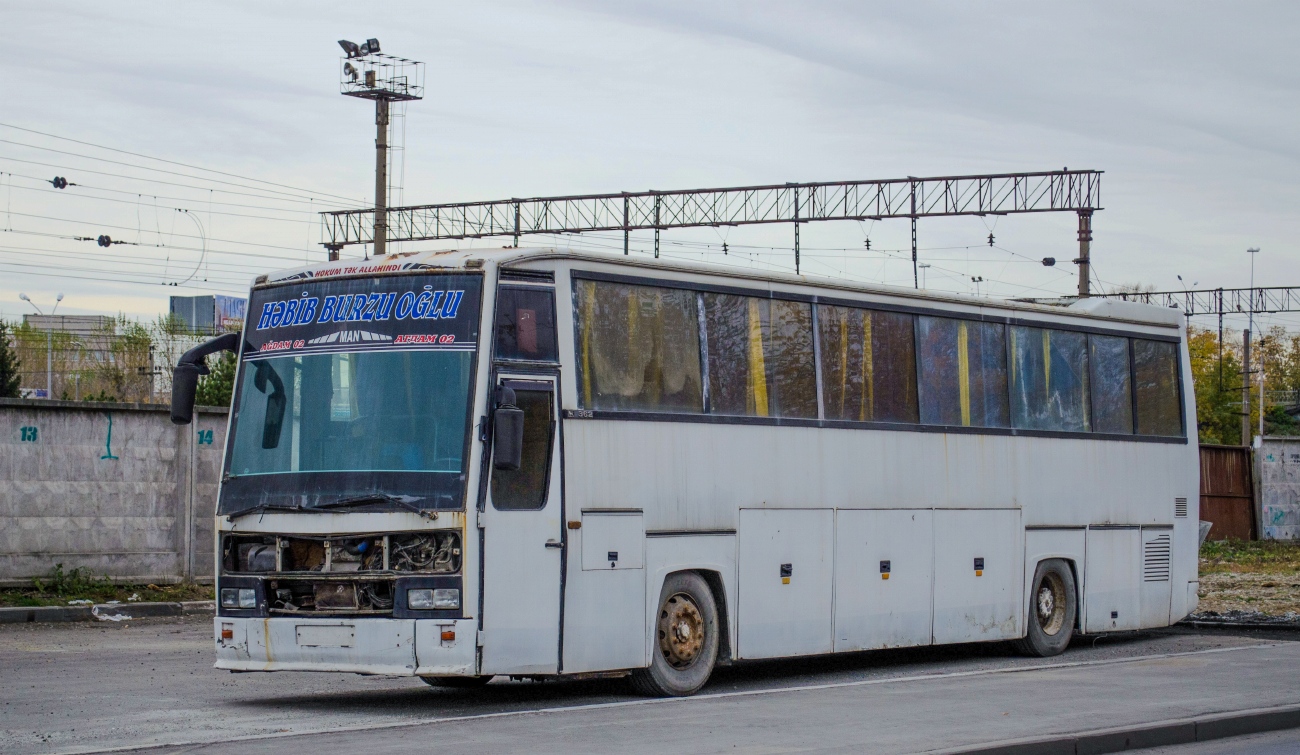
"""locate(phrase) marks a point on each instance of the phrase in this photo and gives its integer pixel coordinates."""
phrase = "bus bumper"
(398, 647)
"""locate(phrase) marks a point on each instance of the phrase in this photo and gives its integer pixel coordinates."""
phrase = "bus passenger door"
(522, 544)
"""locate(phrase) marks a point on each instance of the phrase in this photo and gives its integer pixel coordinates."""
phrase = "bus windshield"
(353, 412)
(354, 389)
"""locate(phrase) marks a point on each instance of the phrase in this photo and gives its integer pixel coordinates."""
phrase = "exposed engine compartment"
(339, 574)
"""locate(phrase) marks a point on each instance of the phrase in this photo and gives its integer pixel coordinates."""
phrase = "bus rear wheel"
(1052, 609)
(686, 639)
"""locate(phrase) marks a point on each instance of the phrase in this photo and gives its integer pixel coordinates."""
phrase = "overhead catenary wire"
(128, 228)
(156, 159)
(166, 207)
(161, 182)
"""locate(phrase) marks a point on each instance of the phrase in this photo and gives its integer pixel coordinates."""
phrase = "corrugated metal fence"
(1227, 492)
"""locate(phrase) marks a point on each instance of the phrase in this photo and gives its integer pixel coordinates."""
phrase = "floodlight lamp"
(350, 70)
(351, 48)
(371, 46)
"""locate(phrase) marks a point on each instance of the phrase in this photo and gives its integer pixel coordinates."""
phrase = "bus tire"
(685, 639)
(456, 682)
(1053, 605)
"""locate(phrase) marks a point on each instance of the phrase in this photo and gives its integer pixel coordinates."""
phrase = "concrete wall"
(1279, 488)
(114, 488)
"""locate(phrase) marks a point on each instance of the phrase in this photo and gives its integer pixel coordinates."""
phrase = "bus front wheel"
(686, 639)
(1052, 608)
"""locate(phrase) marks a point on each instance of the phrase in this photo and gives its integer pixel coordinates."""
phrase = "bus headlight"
(433, 599)
(241, 597)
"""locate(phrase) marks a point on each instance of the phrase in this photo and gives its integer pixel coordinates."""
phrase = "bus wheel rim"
(681, 631)
(1050, 604)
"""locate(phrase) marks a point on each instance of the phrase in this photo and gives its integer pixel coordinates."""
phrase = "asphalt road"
(92, 687)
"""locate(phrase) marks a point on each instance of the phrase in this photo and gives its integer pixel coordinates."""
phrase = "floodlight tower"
(371, 75)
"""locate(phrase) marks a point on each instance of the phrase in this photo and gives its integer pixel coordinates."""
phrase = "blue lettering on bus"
(327, 309)
(385, 306)
(341, 307)
(434, 305)
(371, 303)
(358, 304)
(306, 310)
(453, 304)
(405, 304)
(264, 321)
(421, 305)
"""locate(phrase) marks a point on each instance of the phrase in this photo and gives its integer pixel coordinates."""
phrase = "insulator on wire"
(867, 243)
(104, 241)
(990, 239)
(60, 182)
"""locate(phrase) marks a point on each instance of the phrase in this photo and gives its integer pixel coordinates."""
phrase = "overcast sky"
(1190, 108)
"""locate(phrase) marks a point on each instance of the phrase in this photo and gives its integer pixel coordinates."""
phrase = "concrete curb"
(1159, 734)
(1215, 624)
(103, 612)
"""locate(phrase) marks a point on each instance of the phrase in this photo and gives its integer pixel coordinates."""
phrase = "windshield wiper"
(262, 507)
(403, 501)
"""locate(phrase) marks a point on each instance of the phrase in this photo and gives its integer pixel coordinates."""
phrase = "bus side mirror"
(185, 377)
(185, 384)
(507, 432)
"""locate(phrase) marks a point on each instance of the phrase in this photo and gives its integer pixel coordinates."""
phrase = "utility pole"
(371, 75)
(1085, 248)
(1245, 387)
(381, 176)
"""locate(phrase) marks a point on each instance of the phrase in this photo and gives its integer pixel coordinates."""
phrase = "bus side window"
(526, 324)
(963, 372)
(638, 348)
(1049, 379)
(1112, 389)
(1155, 366)
(525, 488)
(760, 356)
(868, 364)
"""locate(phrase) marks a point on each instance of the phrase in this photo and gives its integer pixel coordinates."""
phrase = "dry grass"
(62, 587)
(1261, 577)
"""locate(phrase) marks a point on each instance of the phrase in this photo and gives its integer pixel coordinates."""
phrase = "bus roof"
(477, 258)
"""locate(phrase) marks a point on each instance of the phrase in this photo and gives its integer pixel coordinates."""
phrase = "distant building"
(210, 314)
(77, 325)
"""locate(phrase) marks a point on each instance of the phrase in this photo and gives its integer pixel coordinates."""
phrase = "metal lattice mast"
(1077, 191)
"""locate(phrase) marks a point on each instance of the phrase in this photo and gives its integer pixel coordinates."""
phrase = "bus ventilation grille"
(1156, 558)
(1180, 507)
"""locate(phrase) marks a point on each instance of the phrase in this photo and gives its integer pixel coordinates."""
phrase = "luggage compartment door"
(978, 575)
(1112, 601)
(786, 563)
(883, 578)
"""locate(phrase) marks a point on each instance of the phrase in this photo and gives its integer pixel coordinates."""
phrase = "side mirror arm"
(185, 377)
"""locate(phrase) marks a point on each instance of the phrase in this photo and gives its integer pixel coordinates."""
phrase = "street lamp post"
(49, 343)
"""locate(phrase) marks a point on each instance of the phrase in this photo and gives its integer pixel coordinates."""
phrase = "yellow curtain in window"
(756, 391)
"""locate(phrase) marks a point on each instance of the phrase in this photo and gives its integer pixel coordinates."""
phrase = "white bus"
(540, 463)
